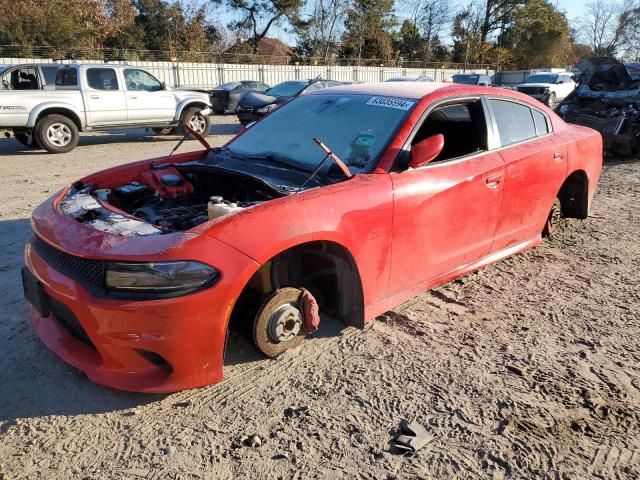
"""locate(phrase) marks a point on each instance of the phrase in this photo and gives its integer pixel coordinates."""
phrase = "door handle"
(95, 97)
(493, 181)
(558, 157)
(132, 97)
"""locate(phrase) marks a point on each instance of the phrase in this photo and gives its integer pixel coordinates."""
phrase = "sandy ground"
(529, 368)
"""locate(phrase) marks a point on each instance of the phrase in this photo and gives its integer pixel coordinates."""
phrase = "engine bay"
(166, 198)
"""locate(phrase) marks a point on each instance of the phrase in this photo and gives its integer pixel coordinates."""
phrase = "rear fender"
(60, 108)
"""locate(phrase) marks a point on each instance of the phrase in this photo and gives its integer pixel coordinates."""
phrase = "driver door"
(147, 101)
(446, 212)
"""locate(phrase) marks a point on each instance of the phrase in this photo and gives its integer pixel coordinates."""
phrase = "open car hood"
(604, 73)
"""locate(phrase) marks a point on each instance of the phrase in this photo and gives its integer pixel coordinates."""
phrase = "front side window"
(102, 79)
(463, 126)
(357, 128)
(514, 121)
(140, 80)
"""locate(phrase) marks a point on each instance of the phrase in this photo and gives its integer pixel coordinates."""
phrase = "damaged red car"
(347, 201)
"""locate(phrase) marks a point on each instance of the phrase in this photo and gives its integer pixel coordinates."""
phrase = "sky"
(573, 9)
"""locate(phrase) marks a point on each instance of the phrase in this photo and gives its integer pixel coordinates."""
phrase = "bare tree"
(608, 26)
(430, 17)
(322, 32)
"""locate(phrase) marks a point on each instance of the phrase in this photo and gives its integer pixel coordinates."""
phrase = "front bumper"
(160, 345)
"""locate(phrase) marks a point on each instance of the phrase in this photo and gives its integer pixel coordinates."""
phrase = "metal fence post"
(261, 73)
(176, 74)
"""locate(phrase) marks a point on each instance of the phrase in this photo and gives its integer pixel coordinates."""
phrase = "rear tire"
(57, 134)
(553, 220)
(199, 123)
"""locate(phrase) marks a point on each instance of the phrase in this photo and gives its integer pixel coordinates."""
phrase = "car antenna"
(329, 154)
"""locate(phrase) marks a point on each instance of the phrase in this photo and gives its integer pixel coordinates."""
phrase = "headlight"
(266, 109)
(159, 276)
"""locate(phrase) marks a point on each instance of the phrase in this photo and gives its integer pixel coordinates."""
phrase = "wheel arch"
(188, 103)
(55, 109)
(574, 195)
(325, 267)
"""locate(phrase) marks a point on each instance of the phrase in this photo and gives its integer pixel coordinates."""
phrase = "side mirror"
(426, 150)
(163, 86)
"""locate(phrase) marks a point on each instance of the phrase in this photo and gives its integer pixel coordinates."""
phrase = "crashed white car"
(98, 97)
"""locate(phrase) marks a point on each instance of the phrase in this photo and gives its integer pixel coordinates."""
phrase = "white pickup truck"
(89, 97)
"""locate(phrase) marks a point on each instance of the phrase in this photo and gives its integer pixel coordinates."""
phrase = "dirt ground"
(529, 368)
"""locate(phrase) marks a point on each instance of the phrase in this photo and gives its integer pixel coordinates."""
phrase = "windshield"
(547, 78)
(286, 89)
(466, 79)
(227, 86)
(357, 128)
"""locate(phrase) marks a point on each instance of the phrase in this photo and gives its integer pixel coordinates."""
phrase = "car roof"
(415, 90)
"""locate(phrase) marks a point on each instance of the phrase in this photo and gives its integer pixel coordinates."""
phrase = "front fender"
(188, 102)
(38, 110)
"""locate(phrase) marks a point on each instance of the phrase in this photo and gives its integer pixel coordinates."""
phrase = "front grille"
(531, 90)
(84, 270)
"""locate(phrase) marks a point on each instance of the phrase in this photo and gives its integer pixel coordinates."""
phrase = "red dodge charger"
(347, 200)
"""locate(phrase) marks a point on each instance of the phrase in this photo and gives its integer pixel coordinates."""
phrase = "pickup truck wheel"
(57, 134)
(198, 122)
(278, 326)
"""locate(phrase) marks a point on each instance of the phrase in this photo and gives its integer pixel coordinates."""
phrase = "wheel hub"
(197, 123)
(59, 134)
(284, 323)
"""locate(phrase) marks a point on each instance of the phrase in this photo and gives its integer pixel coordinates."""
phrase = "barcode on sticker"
(390, 102)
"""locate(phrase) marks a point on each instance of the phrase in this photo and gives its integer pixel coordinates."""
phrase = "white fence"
(208, 75)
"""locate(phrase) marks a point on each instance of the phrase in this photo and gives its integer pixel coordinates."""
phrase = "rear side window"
(102, 78)
(514, 121)
(67, 77)
(542, 127)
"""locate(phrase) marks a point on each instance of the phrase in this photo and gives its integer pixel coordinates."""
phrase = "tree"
(368, 30)
(608, 26)
(320, 35)
(496, 13)
(539, 36)
(258, 16)
(410, 43)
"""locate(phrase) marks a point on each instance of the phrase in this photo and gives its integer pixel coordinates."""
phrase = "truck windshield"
(357, 128)
(542, 79)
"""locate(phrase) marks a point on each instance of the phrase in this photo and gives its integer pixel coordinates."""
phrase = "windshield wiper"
(329, 154)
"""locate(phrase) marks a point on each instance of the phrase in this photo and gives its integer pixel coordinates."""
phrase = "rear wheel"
(553, 220)
(278, 326)
(57, 134)
(198, 122)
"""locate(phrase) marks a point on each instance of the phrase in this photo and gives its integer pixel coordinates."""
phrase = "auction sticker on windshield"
(390, 102)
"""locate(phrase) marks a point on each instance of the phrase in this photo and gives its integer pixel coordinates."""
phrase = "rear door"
(445, 213)
(104, 97)
(147, 100)
(535, 167)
